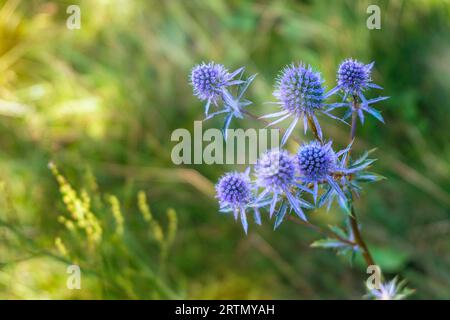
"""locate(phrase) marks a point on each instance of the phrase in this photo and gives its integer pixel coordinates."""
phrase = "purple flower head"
(300, 95)
(316, 161)
(390, 290)
(234, 189)
(208, 81)
(299, 89)
(275, 170)
(276, 173)
(353, 76)
(317, 165)
(235, 194)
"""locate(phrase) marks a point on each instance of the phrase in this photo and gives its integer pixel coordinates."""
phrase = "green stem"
(319, 230)
(353, 218)
(359, 239)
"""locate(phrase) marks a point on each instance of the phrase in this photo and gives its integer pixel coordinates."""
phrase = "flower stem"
(314, 129)
(321, 231)
(353, 218)
(359, 239)
(354, 124)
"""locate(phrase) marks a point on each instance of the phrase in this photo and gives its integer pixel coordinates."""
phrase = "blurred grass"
(103, 100)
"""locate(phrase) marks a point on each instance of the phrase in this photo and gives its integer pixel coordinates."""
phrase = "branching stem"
(353, 218)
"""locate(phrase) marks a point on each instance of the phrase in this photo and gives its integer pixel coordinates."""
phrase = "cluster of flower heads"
(299, 92)
(281, 181)
(316, 175)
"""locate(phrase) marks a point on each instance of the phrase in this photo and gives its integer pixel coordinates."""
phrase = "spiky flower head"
(316, 161)
(275, 170)
(299, 89)
(390, 290)
(353, 76)
(208, 80)
(234, 189)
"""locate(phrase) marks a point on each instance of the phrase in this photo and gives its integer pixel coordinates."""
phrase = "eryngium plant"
(287, 185)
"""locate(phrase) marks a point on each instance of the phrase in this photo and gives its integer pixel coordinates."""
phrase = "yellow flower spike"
(79, 209)
(173, 224)
(61, 247)
(117, 214)
(146, 213)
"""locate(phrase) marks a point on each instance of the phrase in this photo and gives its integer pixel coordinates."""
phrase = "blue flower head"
(210, 82)
(353, 76)
(390, 290)
(234, 192)
(300, 94)
(234, 189)
(318, 164)
(316, 161)
(276, 172)
(299, 90)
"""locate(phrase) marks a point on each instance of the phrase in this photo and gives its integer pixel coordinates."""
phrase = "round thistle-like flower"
(391, 290)
(299, 90)
(208, 81)
(353, 76)
(234, 189)
(275, 170)
(316, 161)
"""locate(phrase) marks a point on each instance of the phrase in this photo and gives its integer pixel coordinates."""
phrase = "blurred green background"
(101, 103)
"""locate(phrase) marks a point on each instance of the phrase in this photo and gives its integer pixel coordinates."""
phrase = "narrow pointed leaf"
(328, 243)
(289, 131)
(280, 215)
(375, 113)
(273, 204)
(278, 120)
(331, 92)
(244, 220)
(374, 100)
(274, 115)
(324, 197)
(257, 216)
(226, 125)
(246, 85)
(296, 206)
(375, 86)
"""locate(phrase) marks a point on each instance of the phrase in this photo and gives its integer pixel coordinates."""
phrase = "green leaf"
(367, 176)
(341, 233)
(344, 205)
(327, 243)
